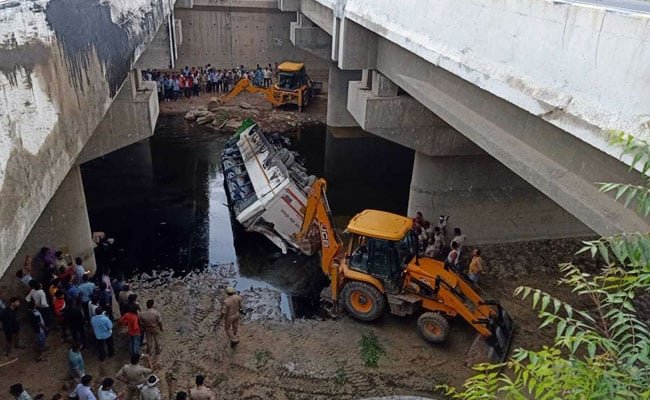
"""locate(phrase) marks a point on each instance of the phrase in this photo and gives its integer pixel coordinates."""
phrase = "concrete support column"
(366, 79)
(337, 97)
(63, 225)
(305, 35)
(486, 200)
(382, 86)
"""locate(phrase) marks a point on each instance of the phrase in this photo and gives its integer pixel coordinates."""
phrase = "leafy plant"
(597, 353)
(262, 357)
(340, 376)
(370, 350)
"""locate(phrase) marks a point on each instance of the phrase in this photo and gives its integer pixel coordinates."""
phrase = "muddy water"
(163, 201)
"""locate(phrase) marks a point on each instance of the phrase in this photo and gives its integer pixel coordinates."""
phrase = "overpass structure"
(507, 104)
(70, 93)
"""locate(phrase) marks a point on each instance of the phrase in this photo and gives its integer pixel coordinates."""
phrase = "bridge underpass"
(508, 155)
(72, 93)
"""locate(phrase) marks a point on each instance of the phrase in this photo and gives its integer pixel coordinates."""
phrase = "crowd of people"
(432, 241)
(192, 81)
(65, 297)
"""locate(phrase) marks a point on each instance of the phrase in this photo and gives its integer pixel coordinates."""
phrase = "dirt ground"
(301, 359)
(304, 359)
(254, 106)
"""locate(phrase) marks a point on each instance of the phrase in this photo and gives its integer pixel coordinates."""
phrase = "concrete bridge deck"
(536, 85)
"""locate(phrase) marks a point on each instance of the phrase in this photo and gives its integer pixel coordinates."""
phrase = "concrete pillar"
(132, 117)
(357, 46)
(402, 119)
(305, 35)
(289, 5)
(486, 200)
(382, 86)
(366, 79)
(63, 225)
(337, 97)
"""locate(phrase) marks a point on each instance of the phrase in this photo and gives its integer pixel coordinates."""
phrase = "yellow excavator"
(380, 266)
(293, 87)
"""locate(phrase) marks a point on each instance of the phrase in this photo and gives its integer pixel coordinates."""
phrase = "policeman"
(230, 313)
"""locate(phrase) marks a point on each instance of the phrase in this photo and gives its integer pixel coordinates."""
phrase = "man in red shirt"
(131, 320)
(59, 306)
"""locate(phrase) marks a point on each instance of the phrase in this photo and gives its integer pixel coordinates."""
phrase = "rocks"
(233, 124)
(191, 115)
(213, 104)
(205, 120)
(245, 105)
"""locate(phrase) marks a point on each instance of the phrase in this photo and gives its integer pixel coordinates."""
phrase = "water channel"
(163, 201)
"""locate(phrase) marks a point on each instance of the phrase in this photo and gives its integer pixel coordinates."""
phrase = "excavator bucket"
(496, 347)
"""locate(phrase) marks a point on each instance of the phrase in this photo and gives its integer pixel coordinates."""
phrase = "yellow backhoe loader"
(293, 87)
(380, 267)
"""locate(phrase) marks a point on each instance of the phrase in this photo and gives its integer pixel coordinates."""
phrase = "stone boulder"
(192, 115)
(205, 119)
(213, 104)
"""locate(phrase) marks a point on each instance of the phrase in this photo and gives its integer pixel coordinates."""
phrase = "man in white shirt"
(459, 238)
(105, 391)
(37, 295)
(149, 390)
(83, 390)
(79, 270)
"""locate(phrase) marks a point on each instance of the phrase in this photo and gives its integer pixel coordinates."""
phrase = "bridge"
(72, 91)
(507, 104)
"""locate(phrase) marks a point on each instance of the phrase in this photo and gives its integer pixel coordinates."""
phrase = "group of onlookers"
(192, 81)
(64, 297)
(432, 241)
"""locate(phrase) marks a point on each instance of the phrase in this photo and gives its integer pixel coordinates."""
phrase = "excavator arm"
(318, 211)
(245, 84)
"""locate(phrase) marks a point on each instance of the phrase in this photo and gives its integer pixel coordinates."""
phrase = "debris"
(191, 115)
(213, 104)
(205, 120)
(233, 124)
(245, 105)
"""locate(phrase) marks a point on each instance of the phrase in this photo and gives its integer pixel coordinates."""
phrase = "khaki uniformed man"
(151, 322)
(133, 374)
(201, 392)
(230, 314)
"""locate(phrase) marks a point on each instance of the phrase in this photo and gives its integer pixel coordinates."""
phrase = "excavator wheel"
(363, 301)
(433, 327)
(305, 99)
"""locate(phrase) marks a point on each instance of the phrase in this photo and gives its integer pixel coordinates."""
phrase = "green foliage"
(602, 352)
(370, 350)
(262, 357)
(340, 376)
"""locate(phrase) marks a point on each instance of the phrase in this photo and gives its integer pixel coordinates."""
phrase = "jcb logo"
(324, 236)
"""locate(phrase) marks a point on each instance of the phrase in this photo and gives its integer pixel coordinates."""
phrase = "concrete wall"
(62, 62)
(247, 34)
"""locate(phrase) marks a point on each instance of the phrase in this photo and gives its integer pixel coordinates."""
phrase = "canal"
(164, 203)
